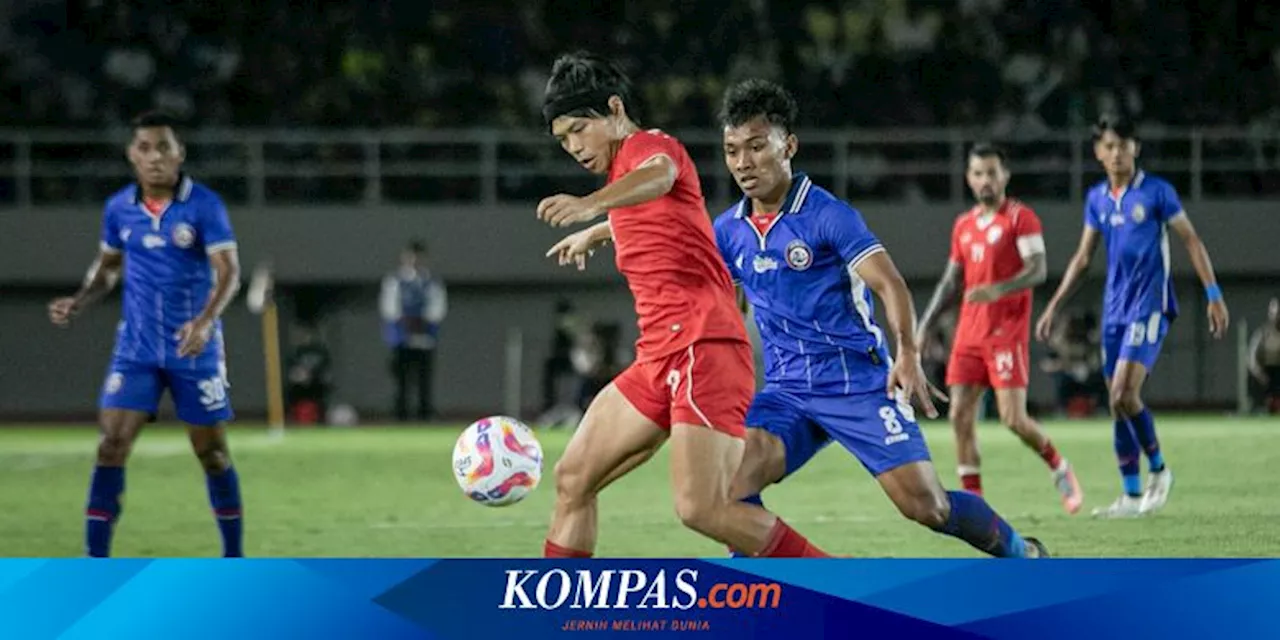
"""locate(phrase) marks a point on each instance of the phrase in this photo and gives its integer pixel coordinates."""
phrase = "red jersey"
(990, 249)
(666, 249)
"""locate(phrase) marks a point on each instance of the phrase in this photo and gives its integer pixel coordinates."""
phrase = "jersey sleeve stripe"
(1030, 245)
(106, 248)
(866, 253)
(220, 246)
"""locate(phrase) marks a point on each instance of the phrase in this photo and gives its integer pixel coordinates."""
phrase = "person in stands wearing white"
(413, 304)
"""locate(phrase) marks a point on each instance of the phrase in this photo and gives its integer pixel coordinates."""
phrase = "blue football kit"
(167, 281)
(826, 363)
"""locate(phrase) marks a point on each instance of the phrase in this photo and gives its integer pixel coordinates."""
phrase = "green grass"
(371, 492)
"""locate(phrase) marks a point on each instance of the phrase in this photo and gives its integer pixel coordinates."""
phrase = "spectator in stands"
(310, 377)
(413, 304)
(1264, 361)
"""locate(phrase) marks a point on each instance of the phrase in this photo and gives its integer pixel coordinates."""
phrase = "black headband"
(597, 99)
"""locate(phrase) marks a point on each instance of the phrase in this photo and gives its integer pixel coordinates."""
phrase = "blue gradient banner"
(529, 599)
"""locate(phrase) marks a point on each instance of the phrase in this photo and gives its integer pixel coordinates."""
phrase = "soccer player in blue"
(1132, 212)
(807, 264)
(170, 240)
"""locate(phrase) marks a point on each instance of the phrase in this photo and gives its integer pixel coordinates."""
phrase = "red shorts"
(710, 383)
(999, 365)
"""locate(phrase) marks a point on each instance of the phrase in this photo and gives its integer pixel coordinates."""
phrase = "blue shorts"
(199, 395)
(881, 433)
(1138, 342)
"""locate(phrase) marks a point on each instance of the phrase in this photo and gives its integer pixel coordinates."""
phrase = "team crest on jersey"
(114, 382)
(965, 237)
(184, 236)
(1139, 213)
(799, 255)
(993, 234)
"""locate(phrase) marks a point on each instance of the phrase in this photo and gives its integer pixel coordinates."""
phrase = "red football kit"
(990, 346)
(693, 360)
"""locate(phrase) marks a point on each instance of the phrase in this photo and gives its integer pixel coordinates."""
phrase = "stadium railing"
(279, 167)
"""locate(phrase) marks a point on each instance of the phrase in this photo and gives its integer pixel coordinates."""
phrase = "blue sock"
(975, 522)
(103, 509)
(1127, 454)
(224, 497)
(1145, 428)
(753, 499)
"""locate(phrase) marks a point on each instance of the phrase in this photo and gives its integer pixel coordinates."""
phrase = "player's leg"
(780, 439)
(885, 438)
(711, 392)
(1008, 369)
(201, 400)
(963, 413)
(614, 437)
(967, 380)
(1011, 403)
(1125, 440)
(400, 371)
(1137, 357)
(130, 396)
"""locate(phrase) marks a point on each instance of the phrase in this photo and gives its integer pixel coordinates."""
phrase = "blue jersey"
(1134, 224)
(815, 315)
(167, 274)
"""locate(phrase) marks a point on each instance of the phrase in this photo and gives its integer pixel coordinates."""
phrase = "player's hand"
(563, 210)
(574, 248)
(908, 376)
(1044, 325)
(982, 294)
(1219, 318)
(193, 336)
(61, 311)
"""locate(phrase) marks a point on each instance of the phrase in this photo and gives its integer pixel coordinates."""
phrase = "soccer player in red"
(693, 376)
(1000, 250)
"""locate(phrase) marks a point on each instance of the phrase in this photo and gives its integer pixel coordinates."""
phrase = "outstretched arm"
(1218, 315)
(1076, 269)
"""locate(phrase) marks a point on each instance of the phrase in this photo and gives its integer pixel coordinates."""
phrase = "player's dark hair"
(581, 84)
(149, 119)
(759, 98)
(989, 150)
(1117, 124)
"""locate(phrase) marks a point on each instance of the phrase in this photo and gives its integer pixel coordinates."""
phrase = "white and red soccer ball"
(497, 461)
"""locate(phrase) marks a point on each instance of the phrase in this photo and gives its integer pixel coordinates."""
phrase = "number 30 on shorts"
(213, 391)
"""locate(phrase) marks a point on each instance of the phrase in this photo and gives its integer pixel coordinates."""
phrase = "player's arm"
(1035, 270)
(577, 247)
(884, 279)
(99, 280)
(650, 180)
(1076, 269)
(1218, 315)
(943, 294)
(224, 259)
(226, 268)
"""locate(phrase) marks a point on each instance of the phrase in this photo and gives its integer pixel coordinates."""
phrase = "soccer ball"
(497, 461)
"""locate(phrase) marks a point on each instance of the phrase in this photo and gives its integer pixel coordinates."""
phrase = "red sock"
(1050, 455)
(553, 550)
(971, 482)
(785, 542)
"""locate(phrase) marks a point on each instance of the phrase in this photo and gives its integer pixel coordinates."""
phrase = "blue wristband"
(1213, 293)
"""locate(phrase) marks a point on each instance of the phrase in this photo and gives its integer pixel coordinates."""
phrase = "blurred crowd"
(1018, 67)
